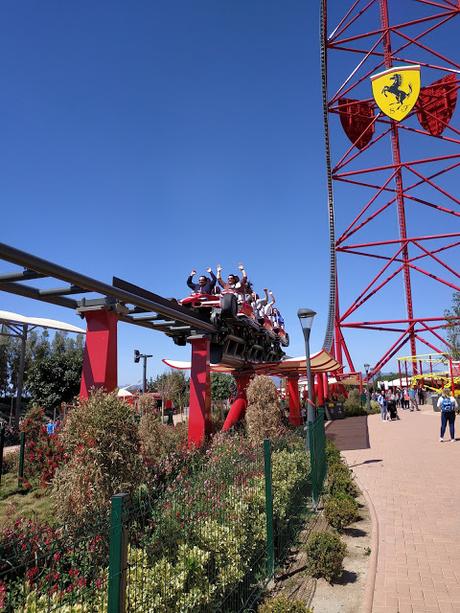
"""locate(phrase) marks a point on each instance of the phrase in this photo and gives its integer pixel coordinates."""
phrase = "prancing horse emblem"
(396, 90)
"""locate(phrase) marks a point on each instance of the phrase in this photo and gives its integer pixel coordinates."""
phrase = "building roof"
(322, 361)
(14, 318)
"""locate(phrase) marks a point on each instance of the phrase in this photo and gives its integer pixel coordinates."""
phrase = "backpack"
(447, 405)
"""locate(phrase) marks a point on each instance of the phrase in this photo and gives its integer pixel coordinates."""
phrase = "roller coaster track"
(233, 342)
(332, 308)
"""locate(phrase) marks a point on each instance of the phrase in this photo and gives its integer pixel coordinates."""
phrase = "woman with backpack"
(447, 404)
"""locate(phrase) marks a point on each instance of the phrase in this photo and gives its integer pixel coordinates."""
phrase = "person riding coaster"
(236, 299)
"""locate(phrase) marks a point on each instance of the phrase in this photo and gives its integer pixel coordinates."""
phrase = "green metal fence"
(209, 542)
(317, 445)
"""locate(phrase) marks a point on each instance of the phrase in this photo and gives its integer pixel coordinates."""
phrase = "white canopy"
(14, 318)
(321, 361)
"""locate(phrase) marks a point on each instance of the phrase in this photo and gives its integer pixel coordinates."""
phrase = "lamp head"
(306, 317)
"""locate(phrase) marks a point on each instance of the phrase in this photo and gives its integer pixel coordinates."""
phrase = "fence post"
(2, 445)
(118, 552)
(323, 449)
(269, 507)
(22, 449)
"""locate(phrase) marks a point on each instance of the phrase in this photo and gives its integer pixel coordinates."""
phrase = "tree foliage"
(52, 368)
(223, 386)
(453, 329)
(172, 385)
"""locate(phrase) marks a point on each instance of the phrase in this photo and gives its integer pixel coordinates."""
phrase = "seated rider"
(205, 284)
(278, 320)
(262, 305)
(233, 281)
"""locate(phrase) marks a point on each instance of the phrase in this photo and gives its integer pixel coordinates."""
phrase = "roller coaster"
(373, 49)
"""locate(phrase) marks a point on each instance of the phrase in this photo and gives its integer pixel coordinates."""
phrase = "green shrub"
(44, 452)
(352, 404)
(325, 552)
(332, 453)
(341, 510)
(263, 414)
(11, 462)
(282, 604)
(159, 440)
(375, 407)
(340, 479)
(102, 439)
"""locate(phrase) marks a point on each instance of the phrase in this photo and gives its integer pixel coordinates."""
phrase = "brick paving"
(413, 481)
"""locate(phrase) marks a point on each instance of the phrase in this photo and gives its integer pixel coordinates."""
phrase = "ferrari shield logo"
(396, 90)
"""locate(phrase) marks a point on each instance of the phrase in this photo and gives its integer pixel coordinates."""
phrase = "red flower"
(32, 573)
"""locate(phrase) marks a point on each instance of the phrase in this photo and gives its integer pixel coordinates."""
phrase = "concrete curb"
(368, 600)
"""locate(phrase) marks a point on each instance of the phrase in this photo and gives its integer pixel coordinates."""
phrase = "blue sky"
(144, 139)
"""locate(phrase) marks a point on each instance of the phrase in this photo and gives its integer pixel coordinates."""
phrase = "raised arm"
(244, 276)
(189, 280)
(219, 276)
(213, 278)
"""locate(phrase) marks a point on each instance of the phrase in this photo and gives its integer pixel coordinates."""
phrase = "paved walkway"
(413, 481)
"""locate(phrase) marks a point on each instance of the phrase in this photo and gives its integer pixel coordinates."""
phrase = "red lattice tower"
(393, 167)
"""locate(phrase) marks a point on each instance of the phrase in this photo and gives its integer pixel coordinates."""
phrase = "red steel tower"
(385, 173)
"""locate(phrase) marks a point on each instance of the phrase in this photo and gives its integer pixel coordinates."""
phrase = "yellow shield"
(396, 90)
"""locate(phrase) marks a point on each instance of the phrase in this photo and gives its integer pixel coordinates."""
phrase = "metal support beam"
(240, 403)
(200, 391)
(294, 400)
(20, 381)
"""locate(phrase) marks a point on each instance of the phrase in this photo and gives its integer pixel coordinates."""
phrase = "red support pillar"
(320, 390)
(199, 417)
(325, 386)
(294, 400)
(399, 371)
(100, 355)
(451, 374)
(240, 403)
(407, 374)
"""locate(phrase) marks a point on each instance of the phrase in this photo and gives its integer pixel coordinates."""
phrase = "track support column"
(325, 386)
(240, 403)
(320, 390)
(199, 417)
(100, 355)
(294, 400)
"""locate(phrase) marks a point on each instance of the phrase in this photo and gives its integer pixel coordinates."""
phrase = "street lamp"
(138, 356)
(368, 392)
(306, 317)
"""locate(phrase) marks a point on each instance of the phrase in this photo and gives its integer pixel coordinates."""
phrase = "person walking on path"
(447, 404)
(413, 399)
(383, 406)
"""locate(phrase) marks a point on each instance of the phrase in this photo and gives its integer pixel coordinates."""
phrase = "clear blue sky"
(144, 139)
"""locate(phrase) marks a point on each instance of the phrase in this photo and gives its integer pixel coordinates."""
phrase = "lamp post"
(306, 317)
(368, 394)
(137, 358)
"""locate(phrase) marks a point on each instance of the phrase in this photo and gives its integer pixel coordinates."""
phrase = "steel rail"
(332, 309)
(155, 303)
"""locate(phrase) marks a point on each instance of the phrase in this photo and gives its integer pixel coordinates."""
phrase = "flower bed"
(198, 546)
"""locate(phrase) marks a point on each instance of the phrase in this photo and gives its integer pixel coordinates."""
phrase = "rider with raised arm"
(260, 304)
(205, 284)
(233, 281)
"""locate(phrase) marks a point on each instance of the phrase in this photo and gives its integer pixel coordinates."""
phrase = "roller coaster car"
(225, 307)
